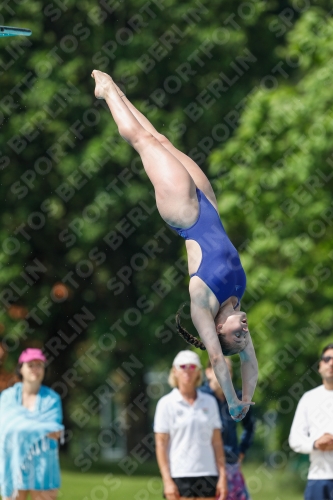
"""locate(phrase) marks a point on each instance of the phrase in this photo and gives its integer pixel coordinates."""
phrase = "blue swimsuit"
(220, 267)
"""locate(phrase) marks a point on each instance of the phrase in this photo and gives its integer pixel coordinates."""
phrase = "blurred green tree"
(280, 159)
(83, 247)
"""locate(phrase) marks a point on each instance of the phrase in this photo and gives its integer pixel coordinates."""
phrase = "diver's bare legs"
(200, 179)
(175, 192)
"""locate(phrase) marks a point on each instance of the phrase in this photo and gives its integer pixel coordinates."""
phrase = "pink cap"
(31, 354)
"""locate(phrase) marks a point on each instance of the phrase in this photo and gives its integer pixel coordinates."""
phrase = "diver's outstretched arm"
(249, 370)
(204, 323)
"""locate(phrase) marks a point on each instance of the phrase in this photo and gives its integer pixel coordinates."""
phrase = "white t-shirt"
(191, 429)
(314, 417)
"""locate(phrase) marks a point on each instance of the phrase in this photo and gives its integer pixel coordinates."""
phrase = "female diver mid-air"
(186, 201)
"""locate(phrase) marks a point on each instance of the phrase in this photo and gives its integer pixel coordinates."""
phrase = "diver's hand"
(239, 409)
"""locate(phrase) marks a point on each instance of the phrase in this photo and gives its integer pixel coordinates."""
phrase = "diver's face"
(235, 330)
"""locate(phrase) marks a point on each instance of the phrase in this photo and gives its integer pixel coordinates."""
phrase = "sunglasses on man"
(326, 359)
(188, 367)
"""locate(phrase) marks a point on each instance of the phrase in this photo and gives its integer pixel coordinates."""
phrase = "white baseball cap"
(187, 358)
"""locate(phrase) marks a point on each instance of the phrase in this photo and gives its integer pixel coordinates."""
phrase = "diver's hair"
(226, 347)
(190, 339)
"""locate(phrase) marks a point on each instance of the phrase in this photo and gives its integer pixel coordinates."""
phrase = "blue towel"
(23, 433)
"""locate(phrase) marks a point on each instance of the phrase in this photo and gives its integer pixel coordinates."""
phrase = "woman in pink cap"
(31, 425)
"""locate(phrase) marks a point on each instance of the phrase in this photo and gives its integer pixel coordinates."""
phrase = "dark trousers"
(319, 489)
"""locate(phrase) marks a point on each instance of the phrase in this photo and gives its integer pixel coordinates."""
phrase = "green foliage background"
(269, 159)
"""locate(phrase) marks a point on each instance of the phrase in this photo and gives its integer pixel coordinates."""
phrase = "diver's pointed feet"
(104, 83)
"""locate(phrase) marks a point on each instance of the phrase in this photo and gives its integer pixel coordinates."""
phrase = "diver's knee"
(163, 140)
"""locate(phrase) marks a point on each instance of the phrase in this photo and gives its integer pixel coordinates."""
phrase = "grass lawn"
(264, 484)
(102, 484)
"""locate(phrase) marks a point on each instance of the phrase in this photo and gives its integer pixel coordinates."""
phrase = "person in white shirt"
(187, 427)
(312, 431)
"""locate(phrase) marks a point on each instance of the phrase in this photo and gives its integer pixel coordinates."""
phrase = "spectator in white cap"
(187, 429)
